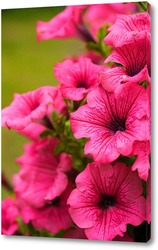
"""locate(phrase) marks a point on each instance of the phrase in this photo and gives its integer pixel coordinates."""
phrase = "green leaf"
(69, 104)
(143, 6)
(92, 46)
(23, 228)
(45, 133)
(145, 84)
(144, 184)
(60, 234)
(130, 230)
(54, 115)
(102, 32)
(59, 148)
(127, 160)
(54, 118)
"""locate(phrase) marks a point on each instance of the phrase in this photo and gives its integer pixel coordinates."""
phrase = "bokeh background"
(27, 65)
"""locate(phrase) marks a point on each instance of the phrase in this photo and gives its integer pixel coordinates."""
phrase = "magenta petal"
(127, 28)
(142, 163)
(78, 94)
(142, 76)
(104, 150)
(82, 216)
(56, 189)
(133, 56)
(62, 25)
(124, 143)
(32, 131)
(111, 78)
(28, 107)
(106, 229)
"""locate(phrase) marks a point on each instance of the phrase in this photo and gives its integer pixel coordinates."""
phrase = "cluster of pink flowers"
(86, 171)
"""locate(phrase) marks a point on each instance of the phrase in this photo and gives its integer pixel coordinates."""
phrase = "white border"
(45, 243)
(9, 4)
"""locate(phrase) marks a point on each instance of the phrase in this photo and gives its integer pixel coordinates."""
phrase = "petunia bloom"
(106, 199)
(77, 78)
(131, 38)
(27, 108)
(9, 215)
(34, 129)
(128, 28)
(135, 59)
(112, 122)
(42, 177)
(53, 216)
(66, 24)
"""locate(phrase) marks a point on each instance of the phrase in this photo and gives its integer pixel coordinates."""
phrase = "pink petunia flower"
(128, 29)
(53, 216)
(135, 58)
(9, 215)
(142, 162)
(77, 78)
(34, 129)
(29, 107)
(100, 14)
(42, 177)
(66, 24)
(113, 122)
(106, 199)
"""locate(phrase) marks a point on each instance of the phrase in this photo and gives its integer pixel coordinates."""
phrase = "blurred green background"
(27, 65)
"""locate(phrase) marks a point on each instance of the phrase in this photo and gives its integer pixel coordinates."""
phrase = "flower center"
(132, 71)
(116, 124)
(55, 202)
(81, 84)
(106, 201)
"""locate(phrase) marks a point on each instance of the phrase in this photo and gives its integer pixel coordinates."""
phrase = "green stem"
(6, 184)
(144, 8)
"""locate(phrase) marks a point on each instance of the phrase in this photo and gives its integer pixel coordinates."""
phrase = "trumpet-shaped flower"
(42, 177)
(53, 216)
(34, 129)
(77, 78)
(135, 58)
(27, 108)
(113, 122)
(106, 199)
